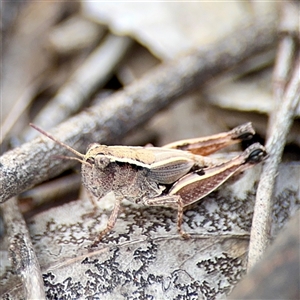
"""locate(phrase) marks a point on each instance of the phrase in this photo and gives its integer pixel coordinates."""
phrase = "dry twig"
(91, 75)
(54, 190)
(288, 28)
(277, 275)
(261, 224)
(21, 251)
(22, 70)
(286, 96)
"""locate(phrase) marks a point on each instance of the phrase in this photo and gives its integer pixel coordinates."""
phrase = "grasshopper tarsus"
(95, 244)
(185, 235)
(256, 153)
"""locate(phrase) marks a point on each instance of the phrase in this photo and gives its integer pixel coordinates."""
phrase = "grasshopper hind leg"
(175, 202)
(180, 220)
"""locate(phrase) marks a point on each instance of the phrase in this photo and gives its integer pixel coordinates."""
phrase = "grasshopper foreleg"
(110, 223)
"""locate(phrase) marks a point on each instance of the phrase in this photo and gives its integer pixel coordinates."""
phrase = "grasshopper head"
(95, 149)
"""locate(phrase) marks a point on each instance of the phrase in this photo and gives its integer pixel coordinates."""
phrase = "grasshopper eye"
(101, 161)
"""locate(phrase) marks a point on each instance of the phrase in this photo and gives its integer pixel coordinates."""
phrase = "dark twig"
(106, 122)
(21, 251)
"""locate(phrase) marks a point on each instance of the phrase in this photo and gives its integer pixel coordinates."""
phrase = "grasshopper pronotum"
(175, 175)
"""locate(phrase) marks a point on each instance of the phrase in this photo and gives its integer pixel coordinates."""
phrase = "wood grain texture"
(33, 162)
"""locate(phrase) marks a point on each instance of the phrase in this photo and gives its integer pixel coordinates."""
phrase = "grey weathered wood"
(286, 93)
(260, 233)
(33, 163)
(286, 52)
(277, 276)
(92, 74)
(21, 251)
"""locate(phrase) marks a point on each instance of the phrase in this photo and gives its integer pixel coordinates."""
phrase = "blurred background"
(61, 58)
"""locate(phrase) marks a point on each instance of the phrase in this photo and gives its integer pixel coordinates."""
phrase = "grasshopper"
(175, 175)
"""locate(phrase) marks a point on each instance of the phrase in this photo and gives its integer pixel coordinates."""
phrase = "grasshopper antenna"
(58, 142)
